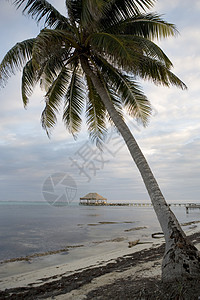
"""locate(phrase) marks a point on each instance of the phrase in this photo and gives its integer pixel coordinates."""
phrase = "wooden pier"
(191, 206)
(141, 204)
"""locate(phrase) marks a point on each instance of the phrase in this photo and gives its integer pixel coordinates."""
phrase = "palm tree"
(95, 54)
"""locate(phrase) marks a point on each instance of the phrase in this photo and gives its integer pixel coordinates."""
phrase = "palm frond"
(112, 46)
(74, 103)
(134, 99)
(133, 6)
(157, 72)
(140, 45)
(130, 93)
(150, 26)
(15, 59)
(116, 100)
(86, 12)
(118, 10)
(74, 10)
(53, 100)
(52, 43)
(42, 9)
(29, 80)
(95, 114)
(126, 51)
(91, 13)
(57, 36)
(50, 69)
(57, 59)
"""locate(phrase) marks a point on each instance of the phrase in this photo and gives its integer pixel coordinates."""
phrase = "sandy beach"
(112, 270)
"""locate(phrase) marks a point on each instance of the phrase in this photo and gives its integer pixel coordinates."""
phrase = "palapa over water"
(93, 199)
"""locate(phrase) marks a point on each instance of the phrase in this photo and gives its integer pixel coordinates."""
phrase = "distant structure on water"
(96, 199)
(93, 199)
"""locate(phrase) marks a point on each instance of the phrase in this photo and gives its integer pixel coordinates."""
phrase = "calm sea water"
(27, 228)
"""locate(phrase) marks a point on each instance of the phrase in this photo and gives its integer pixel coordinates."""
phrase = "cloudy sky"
(171, 143)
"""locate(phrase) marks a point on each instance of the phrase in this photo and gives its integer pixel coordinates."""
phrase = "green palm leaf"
(117, 10)
(125, 50)
(91, 12)
(134, 99)
(54, 36)
(149, 26)
(112, 46)
(116, 100)
(131, 94)
(157, 72)
(74, 10)
(29, 80)
(52, 43)
(132, 6)
(53, 100)
(42, 9)
(140, 45)
(74, 103)
(86, 12)
(49, 71)
(95, 114)
(15, 59)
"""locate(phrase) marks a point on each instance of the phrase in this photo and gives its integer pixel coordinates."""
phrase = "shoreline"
(83, 276)
(134, 274)
(35, 270)
(64, 280)
(190, 227)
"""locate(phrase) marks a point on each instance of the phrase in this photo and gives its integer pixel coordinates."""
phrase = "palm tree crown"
(115, 39)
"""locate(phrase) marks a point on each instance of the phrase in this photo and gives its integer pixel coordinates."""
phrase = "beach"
(113, 271)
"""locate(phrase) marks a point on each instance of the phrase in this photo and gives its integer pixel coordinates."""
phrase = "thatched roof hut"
(93, 198)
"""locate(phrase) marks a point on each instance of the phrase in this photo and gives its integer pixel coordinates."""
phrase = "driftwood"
(133, 243)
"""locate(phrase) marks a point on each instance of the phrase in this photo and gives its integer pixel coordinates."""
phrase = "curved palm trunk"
(181, 259)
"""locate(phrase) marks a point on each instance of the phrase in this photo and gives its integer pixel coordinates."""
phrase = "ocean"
(27, 228)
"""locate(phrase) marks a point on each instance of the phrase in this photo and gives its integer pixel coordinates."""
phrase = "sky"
(29, 160)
